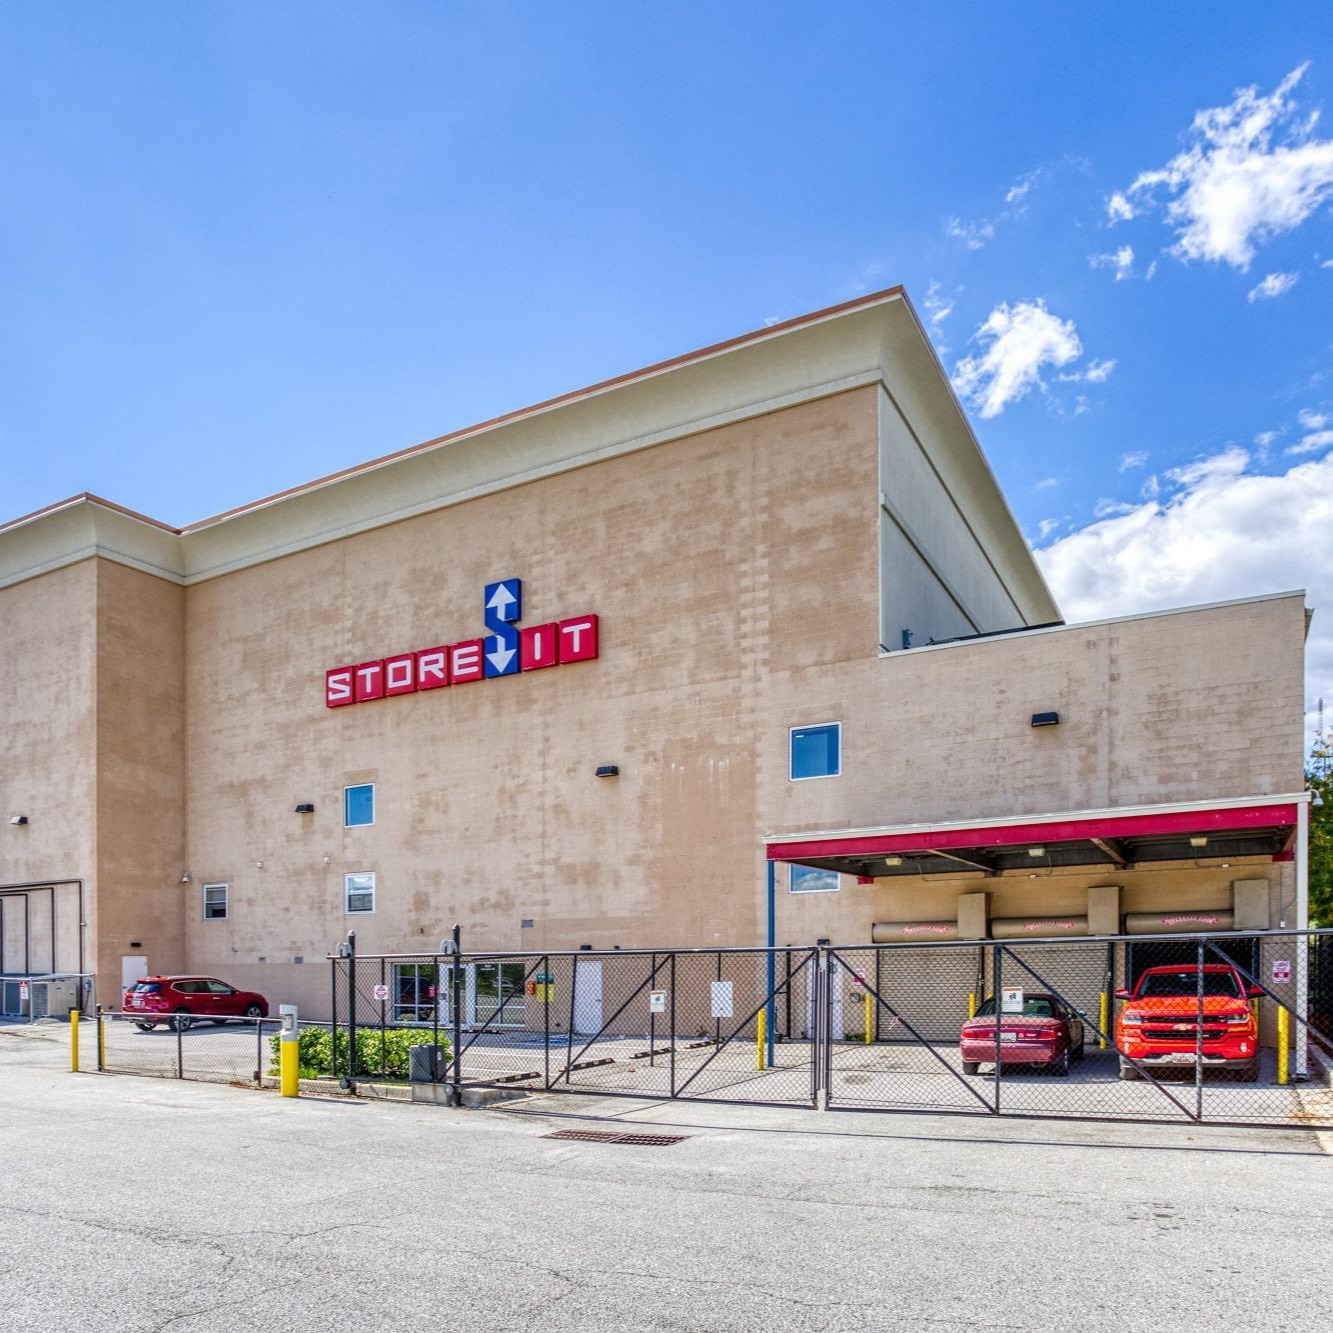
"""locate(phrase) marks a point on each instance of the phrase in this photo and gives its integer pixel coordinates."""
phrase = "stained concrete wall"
(48, 629)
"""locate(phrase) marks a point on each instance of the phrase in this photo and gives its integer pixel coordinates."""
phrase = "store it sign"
(505, 651)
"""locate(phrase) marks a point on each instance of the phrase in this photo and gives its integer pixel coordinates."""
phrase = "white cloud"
(1275, 284)
(1047, 484)
(938, 306)
(1122, 260)
(1019, 342)
(1047, 526)
(1132, 460)
(1018, 191)
(1118, 208)
(974, 235)
(1221, 531)
(1312, 420)
(1252, 170)
(1266, 437)
(1098, 372)
(1313, 442)
(1328, 263)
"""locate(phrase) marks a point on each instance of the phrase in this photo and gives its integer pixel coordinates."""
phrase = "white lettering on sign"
(722, 999)
(506, 651)
(657, 1002)
(1012, 1002)
(1281, 969)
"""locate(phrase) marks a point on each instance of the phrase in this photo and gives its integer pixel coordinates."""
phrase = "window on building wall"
(816, 752)
(359, 890)
(359, 805)
(215, 902)
(811, 879)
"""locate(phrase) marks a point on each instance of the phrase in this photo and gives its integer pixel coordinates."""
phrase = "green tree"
(1319, 781)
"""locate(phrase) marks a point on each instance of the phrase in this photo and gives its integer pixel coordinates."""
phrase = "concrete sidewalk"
(141, 1204)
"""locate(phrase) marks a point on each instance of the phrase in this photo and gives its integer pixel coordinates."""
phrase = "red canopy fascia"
(1039, 831)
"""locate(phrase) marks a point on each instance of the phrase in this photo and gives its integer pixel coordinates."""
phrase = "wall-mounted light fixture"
(136, 944)
(1198, 840)
(607, 771)
(893, 860)
(305, 808)
(18, 819)
(1045, 719)
(1036, 851)
(186, 877)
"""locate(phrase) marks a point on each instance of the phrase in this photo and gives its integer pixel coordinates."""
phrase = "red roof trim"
(1057, 830)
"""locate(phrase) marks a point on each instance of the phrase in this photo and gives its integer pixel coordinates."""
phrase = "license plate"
(1008, 1036)
(1179, 1058)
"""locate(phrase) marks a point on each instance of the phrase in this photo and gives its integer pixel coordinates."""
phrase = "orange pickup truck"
(1159, 1024)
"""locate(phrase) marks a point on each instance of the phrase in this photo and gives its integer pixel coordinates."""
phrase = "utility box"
(425, 1064)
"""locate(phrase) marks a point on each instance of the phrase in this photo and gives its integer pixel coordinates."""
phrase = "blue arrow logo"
(503, 605)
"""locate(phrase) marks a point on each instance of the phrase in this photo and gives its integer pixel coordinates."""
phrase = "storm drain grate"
(611, 1136)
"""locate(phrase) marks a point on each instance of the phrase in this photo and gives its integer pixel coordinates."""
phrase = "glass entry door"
(491, 994)
(498, 993)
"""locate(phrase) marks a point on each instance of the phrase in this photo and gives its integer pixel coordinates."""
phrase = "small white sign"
(657, 1001)
(23, 990)
(1281, 969)
(1011, 1002)
(722, 999)
(381, 991)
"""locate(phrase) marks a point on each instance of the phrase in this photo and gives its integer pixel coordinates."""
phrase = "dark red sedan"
(182, 1001)
(1047, 1033)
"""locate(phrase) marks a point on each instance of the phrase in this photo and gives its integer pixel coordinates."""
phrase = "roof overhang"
(1116, 839)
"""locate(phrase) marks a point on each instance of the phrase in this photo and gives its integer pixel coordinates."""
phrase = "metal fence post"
(351, 1011)
(181, 1021)
(456, 995)
(569, 1036)
(101, 1040)
(259, 1052)
(546, 988)
(333, 1016)
(997, 1000)
(1198, 1037)
(671, 1036)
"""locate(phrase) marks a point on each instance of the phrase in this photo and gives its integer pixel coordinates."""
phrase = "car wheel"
(181, 1020)
(254, 1011)
(1060, 1065)
(971, 1066)
(145, 1027)
(1129, 1073)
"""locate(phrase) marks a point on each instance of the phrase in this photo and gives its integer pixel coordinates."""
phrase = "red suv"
(181, 1001)
(1159, 1025)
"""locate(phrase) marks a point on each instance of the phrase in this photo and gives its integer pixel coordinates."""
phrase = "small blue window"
(812, 879)
(816, 752)
(359, 805)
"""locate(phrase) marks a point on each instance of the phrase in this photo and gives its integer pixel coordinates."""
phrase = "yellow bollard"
(759, 1040)
(101, 1040)
(1103, 1017)
(74, 1041)
(870, 1018)
(972, 1005)
(289, 1052)
(1283, 1041)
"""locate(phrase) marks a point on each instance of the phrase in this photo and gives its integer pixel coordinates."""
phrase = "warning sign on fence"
(1281, 969)
(722, 999)
(657, 1002)
(381, 991)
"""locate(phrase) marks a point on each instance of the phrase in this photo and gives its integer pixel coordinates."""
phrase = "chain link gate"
(954, 1028)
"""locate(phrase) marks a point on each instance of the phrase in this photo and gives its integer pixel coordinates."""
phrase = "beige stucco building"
(820, 638)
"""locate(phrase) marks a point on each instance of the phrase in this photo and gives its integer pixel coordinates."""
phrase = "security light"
(1045, 719)
(893, 860)
(607, 771)
(1198, 841)
(186, 877)
(1036, 851)
(305, 808)
(19, 819)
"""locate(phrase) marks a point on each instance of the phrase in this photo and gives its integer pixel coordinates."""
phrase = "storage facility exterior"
(619, 670)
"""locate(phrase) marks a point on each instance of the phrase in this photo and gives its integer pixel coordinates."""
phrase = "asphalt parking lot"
(144, 1204)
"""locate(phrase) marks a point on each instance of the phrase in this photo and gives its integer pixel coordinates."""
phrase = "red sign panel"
(555, 643)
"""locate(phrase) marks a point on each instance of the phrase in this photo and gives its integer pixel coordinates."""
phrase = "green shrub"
(378, 1054)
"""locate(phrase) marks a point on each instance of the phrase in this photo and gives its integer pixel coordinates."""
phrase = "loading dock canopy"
(1262, 826)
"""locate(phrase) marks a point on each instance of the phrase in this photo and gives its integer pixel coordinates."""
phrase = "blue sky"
(245, 245)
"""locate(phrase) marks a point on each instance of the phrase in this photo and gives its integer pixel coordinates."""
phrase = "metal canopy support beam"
(1114, 849)
(974, 860)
